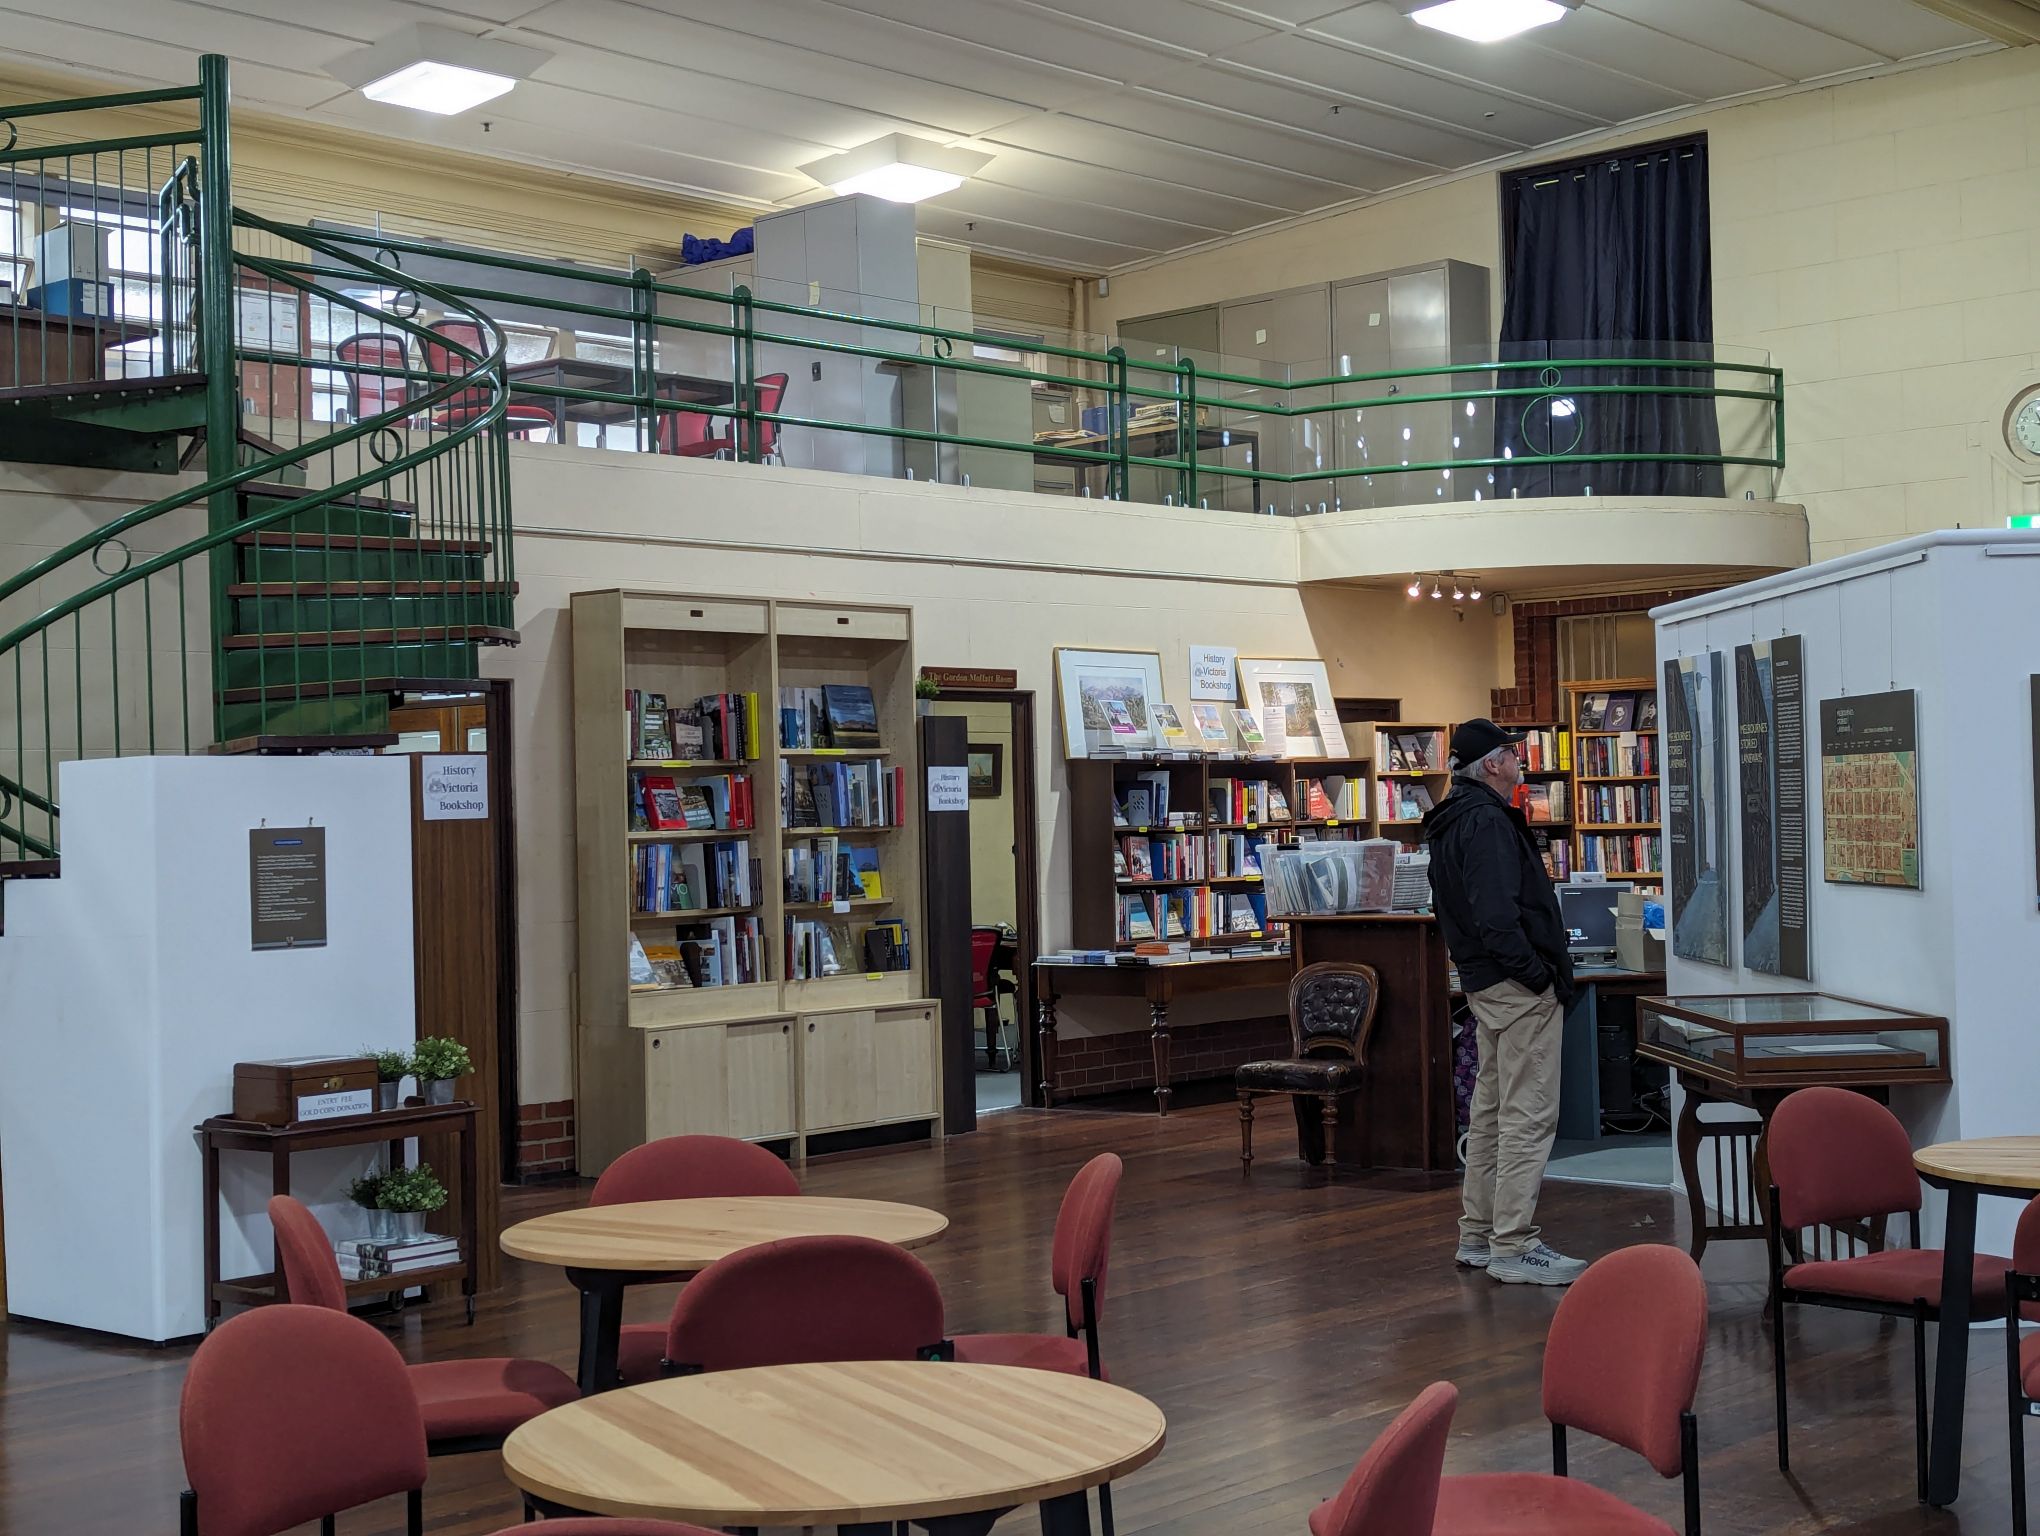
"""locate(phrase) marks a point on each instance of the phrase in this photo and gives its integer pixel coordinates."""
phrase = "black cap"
(1474, 739)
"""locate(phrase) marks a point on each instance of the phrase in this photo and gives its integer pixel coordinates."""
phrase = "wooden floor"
(1280, 1323)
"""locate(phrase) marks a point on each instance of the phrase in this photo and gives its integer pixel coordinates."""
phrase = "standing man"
(1502, 926)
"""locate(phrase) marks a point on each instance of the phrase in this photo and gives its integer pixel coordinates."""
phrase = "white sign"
(1332, 731)
(456, 785)
(949, 788)
(1211, 672)
(335, 1106)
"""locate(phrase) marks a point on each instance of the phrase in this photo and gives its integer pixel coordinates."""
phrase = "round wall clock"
(2022, 426)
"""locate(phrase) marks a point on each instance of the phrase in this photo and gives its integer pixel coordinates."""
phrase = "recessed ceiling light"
(1488, 21)
(435, 69)
(899, 168)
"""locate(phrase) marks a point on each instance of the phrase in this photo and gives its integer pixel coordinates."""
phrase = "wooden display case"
(771, 1059)
(1609, 764)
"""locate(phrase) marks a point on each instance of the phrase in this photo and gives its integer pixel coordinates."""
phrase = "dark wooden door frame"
(1023, 779)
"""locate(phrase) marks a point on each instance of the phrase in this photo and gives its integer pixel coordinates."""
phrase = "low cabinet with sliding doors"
(723, 987)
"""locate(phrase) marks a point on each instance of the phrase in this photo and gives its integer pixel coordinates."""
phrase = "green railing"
(300, 582)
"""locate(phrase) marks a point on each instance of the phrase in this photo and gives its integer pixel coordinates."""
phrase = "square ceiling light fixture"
(435, 69)
(1486, 21)
(897, 168)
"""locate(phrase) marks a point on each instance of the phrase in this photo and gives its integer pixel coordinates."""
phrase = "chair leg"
(2017, 1394)
(1329, 1114)
(1105, 1509)
(1920, 1396)
(187, 1511)
(414, 1512)
(1778, 1371)
(1246, 1133)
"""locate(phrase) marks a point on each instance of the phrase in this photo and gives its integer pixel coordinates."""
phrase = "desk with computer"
(1602, 1084)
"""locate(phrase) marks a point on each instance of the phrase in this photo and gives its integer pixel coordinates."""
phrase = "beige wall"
(1881, 239)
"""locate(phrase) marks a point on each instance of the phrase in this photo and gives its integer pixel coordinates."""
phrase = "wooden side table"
(281, 1143)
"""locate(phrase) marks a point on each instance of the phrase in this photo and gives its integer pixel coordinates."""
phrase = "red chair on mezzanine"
(370, 394)
(1622, 1361)
(691, 434)
(1393, 1490)
(520, 417)
(291, 1414)
(1841, 1163)
(466, 1405)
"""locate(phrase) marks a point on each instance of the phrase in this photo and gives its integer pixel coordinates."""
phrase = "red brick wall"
(545, 1139)
(1534, 698)
(1090, 1065)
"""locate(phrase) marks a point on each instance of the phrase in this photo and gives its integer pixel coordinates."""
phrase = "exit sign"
(2022, 522)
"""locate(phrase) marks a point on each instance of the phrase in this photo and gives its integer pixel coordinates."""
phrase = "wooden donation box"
(1404, 1115)
(294, 1089)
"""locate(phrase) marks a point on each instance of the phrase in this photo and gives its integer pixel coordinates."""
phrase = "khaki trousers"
(1515, 1114)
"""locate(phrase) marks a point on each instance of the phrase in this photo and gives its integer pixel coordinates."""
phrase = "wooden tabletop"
(834, 1444)
(2000, 1162)
(686, 1236)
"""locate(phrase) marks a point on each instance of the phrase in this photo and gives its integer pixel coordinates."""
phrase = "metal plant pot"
(389, 1095)
(439, 1091)
(406, 1224)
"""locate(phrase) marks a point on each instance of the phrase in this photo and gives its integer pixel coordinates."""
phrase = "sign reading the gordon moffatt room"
(1869, 789)
(973, 679)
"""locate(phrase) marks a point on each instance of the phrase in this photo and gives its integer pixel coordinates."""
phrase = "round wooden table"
(605, 1248)
(1991, 1165)
(851, 1445)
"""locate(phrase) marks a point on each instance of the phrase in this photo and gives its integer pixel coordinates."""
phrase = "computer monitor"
(1589, 913)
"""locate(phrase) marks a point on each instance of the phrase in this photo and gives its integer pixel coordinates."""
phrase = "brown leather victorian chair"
(1331, 1014)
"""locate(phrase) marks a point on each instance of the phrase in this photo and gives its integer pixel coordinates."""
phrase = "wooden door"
(904, 1046)
(758, 1079)
(838, 1069)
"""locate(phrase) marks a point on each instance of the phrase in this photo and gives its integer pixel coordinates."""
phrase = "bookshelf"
(1410, 768)
(769, 1054)
(1546, 796)
(1219, 809)
(1617, 827)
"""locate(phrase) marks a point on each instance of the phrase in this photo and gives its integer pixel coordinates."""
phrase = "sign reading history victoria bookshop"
(454, 786)
(1695, 797)
(1211, 672)
(287, 887)
(948, 787)
(1770, 695)
(1869, 790)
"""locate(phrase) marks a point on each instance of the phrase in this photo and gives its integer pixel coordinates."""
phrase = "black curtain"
(1608, 259)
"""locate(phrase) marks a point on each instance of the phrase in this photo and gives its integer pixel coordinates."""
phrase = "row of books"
(1618, 712)
(1144, 802)
(1547, 751)
(1237, 800)
(1542, 804)
(376, 1258)
(1557, 855)
(1402, 799)
(720, 952)
(688, 877)
(1196, 912)
(833, 717)
(663, 802)
(1612, 853)
(816, 949)
(829, 869)
(1172, 856)
(851, 793)
(1235, 855)
(717, 726)
(1601, 757)
(1413, 751)
(1618, 802)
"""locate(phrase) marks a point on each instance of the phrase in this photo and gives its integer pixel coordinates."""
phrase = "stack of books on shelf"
(850, 793)
(1603, 757)
(667, 802)
(717, 952)
(1542, 804)
(1236, 801)
(1241, 912)
(1547, 751)
(828, 869)
(691, 877)
(1235, 855)
(888, 946)
(1612, 853)
(1618, 712)
(816, 949)
(1557, 855)
(1176, 856)
(834, 718)
(376, 1258)
(1413, 751)
(1402, 799)
(1334, 797)
(1624, 804)
(717, 726)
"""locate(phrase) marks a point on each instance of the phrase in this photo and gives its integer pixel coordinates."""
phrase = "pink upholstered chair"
(1083, 1244)
(1841, 1167)
(1622, 1361)
(2022, 1358)
(1393, 1491)
(467, 1405)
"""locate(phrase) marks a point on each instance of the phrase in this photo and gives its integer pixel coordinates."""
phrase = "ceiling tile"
(1281, 190)
(1692, 69)
(1067, 251)
(1170, 118)
(1180, 24)
(999, 32)
(1751, 33)
(1086, 181)
(980, 199)
(1897, 29)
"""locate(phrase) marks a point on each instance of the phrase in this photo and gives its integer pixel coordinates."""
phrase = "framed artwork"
(1105, 697)
(1291, 700)
(985, 762)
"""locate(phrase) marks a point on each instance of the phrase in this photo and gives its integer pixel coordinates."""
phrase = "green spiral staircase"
(306, 570)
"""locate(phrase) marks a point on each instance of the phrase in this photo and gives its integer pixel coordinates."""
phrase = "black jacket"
(1492, 896)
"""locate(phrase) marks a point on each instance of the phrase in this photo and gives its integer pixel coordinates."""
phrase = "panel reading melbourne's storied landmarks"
(1771, 765)
(287, 887)
(1870, 789)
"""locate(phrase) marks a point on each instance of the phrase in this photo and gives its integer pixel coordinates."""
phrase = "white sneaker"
(1473, 1253)
(1542, 1265)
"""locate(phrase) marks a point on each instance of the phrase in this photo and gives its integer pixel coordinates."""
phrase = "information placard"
(287, 887)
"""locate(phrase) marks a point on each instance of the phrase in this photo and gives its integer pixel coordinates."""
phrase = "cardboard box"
(1637, 948)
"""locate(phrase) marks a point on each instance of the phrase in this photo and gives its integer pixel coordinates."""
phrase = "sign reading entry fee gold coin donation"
(1869, 790)
(287, 887)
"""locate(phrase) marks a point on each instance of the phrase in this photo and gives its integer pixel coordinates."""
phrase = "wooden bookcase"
(772, 1060)
(1632, 768)
(1437, 779)
(1096, 785)
(1553, 837)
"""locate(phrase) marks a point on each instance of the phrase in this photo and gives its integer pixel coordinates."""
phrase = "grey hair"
(1477, 769)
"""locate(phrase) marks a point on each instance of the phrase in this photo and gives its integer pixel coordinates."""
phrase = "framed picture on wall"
(1105, 698)
(986, 762)
(1291, 700)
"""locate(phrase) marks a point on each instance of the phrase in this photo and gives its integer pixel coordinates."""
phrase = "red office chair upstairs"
(2022, 1360)
(1622, 1361)
(520, 417)
(1841, 1163)
(467, 1405)
(771, 391)
(370, 394)
(1393, 1491)
(292, 1414)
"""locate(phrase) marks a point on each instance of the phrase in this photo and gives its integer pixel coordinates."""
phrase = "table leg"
(601, 1327)
(1951, 1347)
(977, 1523)
(1044, 1045)
(1689, 1169)
(212, 1233)
(1069, 1515)
(1158, 1037)
(470, 1216)
(279, 1184)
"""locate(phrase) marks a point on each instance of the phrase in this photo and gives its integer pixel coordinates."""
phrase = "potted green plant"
(926, 691)
(437, 1061)
(407, 1196)
(391, 1068)
(366, 1192)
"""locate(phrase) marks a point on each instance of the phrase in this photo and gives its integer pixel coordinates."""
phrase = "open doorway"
(1004, 897)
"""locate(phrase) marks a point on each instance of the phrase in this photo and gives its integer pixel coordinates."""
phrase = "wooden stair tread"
(349, 688)
(350, 541)
(163, 384)
(274, 491)
(29, 869)
(408, 588)
(485, 633)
